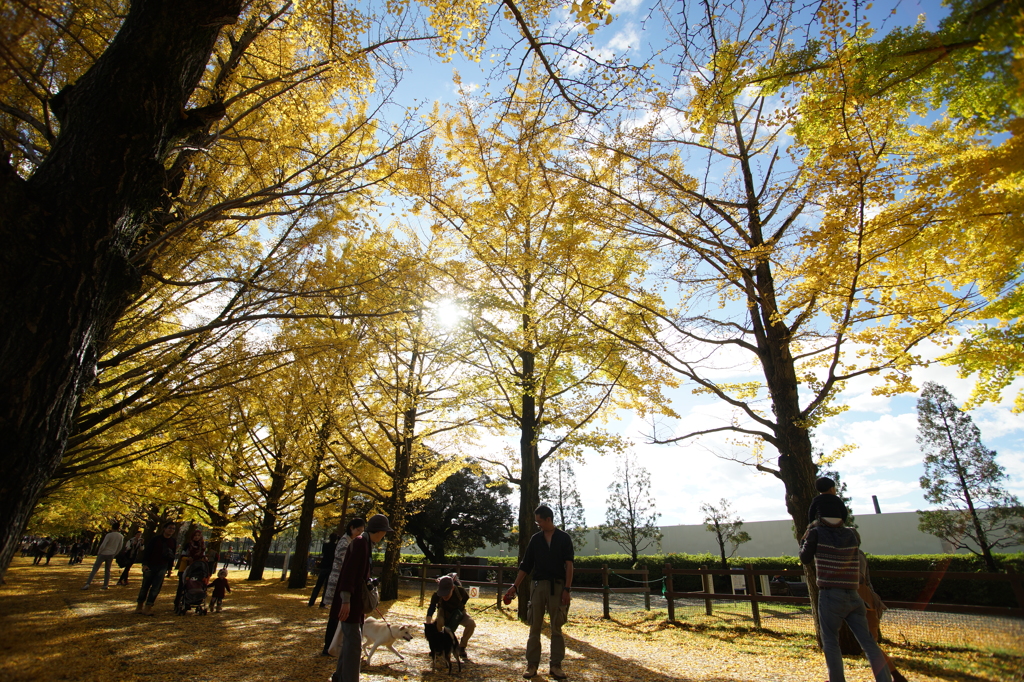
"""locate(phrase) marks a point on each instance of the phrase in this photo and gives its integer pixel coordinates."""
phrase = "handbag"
(371, 597)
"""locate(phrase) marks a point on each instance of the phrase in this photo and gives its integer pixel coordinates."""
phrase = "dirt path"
(52, 630)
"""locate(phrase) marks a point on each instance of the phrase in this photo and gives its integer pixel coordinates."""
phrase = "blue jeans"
(152, 581)
(104, 559)
(834, 606)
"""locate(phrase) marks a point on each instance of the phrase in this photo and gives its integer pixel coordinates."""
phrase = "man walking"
(549, 557)
(834, 550)
(348, 598)
(109, 547)
(324, 568)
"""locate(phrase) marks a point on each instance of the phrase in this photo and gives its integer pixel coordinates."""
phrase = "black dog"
(441, 644)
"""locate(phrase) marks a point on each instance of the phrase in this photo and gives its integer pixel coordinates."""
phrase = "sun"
(448, 313)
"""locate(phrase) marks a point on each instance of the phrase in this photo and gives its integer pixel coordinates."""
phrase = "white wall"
(895, 533)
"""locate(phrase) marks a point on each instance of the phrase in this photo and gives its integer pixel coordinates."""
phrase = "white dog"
(378, 634)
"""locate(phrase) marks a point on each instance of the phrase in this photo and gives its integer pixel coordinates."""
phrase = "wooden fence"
(751, 578)
(755, 584)
(424, 573)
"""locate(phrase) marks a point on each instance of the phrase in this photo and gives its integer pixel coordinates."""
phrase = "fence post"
(1018, 591)
(709, 588)
(423, 581)
(604, 584)
(748, 574)
(647, 587)
(501, 578)
(669, 593)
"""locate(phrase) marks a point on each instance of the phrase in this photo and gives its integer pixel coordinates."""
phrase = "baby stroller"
(193, 589)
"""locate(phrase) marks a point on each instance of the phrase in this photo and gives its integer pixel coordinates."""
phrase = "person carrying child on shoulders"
(834, 550)
(449, 601)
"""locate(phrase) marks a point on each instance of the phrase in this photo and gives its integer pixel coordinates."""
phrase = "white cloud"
(888, 442)
(627, 6)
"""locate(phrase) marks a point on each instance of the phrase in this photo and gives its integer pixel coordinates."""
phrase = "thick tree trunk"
(69, 232)
(261, 548)
(298, 567)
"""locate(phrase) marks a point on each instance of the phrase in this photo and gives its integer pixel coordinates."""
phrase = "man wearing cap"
(834, 550)
(348, 605)
(450, 603)
(549, 556)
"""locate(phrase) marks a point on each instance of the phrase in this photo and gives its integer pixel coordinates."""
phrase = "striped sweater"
(834, 552)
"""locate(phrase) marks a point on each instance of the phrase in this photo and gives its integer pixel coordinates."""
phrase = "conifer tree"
(962, 476)
(559, 490)
(727, 526)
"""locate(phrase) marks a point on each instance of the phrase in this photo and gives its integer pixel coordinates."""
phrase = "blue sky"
(886, 462)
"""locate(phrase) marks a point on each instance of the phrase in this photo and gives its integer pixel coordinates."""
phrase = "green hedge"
(949, 591)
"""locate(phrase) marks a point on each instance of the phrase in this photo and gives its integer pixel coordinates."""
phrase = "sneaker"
(556, 672)
(85, 587)
(531, 671)
(462, 654)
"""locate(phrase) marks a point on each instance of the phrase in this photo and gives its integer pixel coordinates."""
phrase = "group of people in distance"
(157, 557)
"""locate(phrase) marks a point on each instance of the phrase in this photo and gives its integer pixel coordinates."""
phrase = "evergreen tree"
(961, 475)
(559, 489)
(630, 518)
(727, 526)
(462, 514)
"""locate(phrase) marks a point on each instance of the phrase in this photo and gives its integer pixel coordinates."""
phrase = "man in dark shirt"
(157, 558)
(324, 568)
(549, 557)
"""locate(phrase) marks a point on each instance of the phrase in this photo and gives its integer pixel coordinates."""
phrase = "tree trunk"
(298, 568)
(397, 503)
(218, 526)
(69, 232)
(529, 477)
(261, 548)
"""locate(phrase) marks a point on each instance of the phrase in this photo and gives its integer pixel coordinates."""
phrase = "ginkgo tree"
(811, 228)
(536, 263)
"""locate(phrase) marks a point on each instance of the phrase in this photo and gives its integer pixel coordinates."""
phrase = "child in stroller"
(193, 588)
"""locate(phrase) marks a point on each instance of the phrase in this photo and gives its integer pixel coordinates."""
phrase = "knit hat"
(831, 507)
(445, 585)
(377, 523)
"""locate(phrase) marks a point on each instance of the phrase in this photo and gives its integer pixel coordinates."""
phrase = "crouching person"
(449, 601)
(834, 549)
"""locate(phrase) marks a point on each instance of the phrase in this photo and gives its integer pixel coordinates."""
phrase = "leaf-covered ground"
(52, 630)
